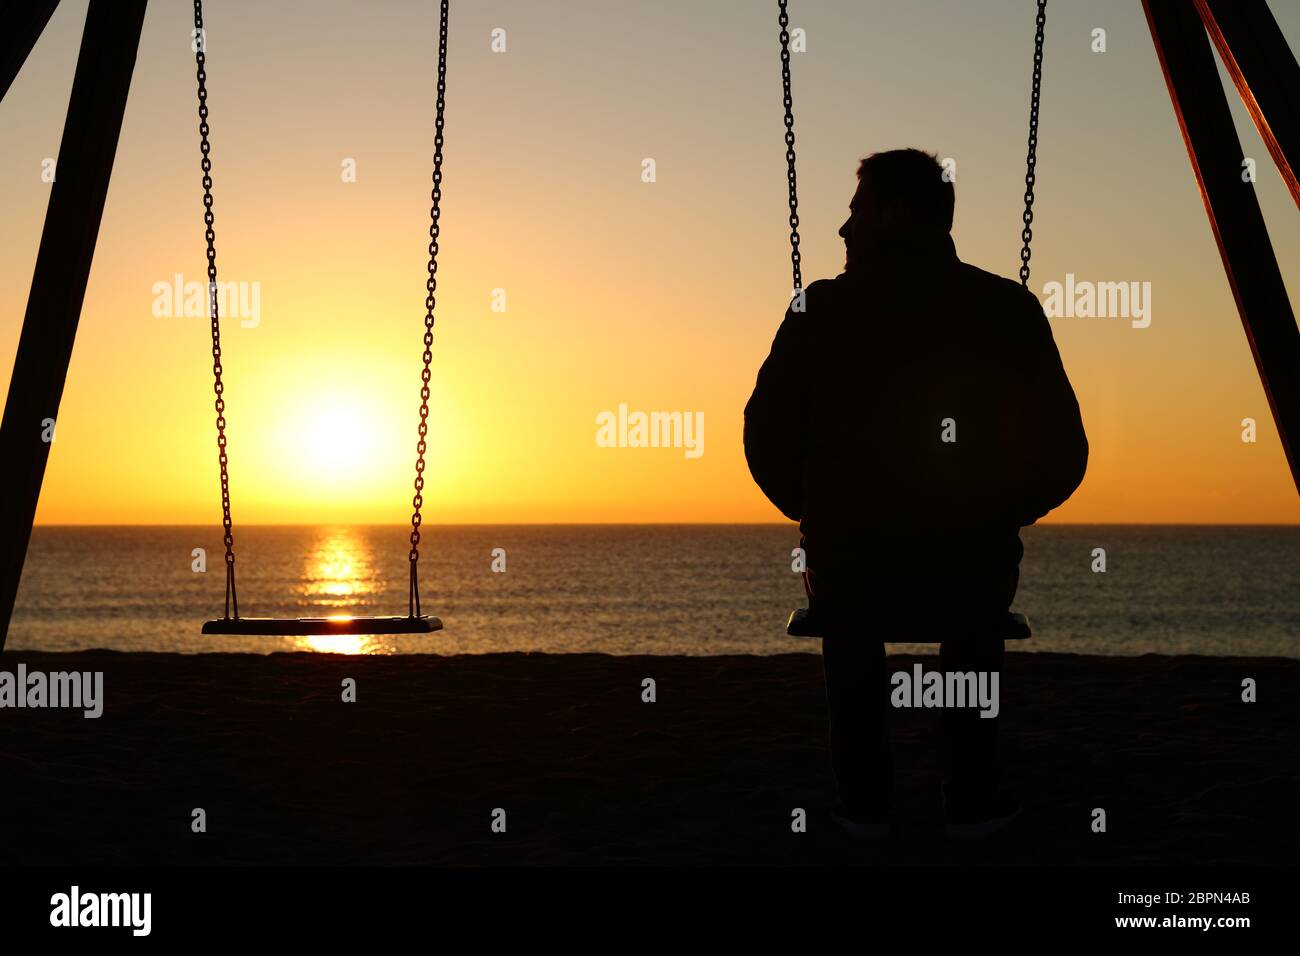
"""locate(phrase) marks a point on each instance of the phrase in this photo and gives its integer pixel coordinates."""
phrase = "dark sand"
(589, 774)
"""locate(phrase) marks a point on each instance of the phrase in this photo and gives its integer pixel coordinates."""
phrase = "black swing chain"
(200, 59)
(784, 20)
(431, 286)
(1031, 156)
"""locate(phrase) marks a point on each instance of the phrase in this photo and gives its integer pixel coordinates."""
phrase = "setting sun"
(337, 438)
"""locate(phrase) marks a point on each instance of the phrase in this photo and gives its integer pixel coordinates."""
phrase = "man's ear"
(892, 218)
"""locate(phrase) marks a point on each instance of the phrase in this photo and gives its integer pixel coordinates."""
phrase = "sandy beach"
(587, 773)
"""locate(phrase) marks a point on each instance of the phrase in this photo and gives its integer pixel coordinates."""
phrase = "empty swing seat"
(804, 622)
(321, 626)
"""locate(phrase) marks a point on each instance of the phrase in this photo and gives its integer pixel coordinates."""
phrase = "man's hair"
(913, 181)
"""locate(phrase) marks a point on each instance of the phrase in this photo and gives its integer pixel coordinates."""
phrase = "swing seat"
(321, 626)
(804, 622)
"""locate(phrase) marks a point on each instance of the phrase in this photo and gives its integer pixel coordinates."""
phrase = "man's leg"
(970, 741)
(857, 697)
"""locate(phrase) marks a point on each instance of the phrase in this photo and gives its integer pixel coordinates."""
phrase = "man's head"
(902, 194)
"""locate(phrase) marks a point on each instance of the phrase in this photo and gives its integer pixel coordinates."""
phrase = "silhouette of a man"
(913, 415)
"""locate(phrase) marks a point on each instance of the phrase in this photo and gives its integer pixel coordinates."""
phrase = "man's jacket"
(912, 418)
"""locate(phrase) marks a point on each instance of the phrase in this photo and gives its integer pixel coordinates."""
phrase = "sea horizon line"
(634, 524)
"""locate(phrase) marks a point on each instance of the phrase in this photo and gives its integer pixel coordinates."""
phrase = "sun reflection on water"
(338, 582)
(337, 644)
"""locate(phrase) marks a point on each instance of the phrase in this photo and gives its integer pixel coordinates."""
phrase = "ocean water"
(643, 589)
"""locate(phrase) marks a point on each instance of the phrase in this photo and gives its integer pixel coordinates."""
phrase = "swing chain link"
(431, 287)
(200, 60)
(1031, 157)
(784, 20)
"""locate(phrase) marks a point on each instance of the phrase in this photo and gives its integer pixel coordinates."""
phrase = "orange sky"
(662, 296)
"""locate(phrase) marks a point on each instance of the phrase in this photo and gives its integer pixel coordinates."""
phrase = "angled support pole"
(23, 22)
(1265, 72)
(85, 163)
(1215, 151)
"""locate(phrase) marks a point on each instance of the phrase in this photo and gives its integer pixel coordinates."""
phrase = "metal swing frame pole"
(105, 63)
(1178, 31)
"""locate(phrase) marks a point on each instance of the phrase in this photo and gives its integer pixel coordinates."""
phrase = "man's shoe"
(972, 818)
(861, 823)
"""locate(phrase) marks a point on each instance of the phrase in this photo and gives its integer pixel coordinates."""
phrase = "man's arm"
(774, 419)
(1057, 456)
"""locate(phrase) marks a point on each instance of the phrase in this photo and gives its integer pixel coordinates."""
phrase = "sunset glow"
(567, 285)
